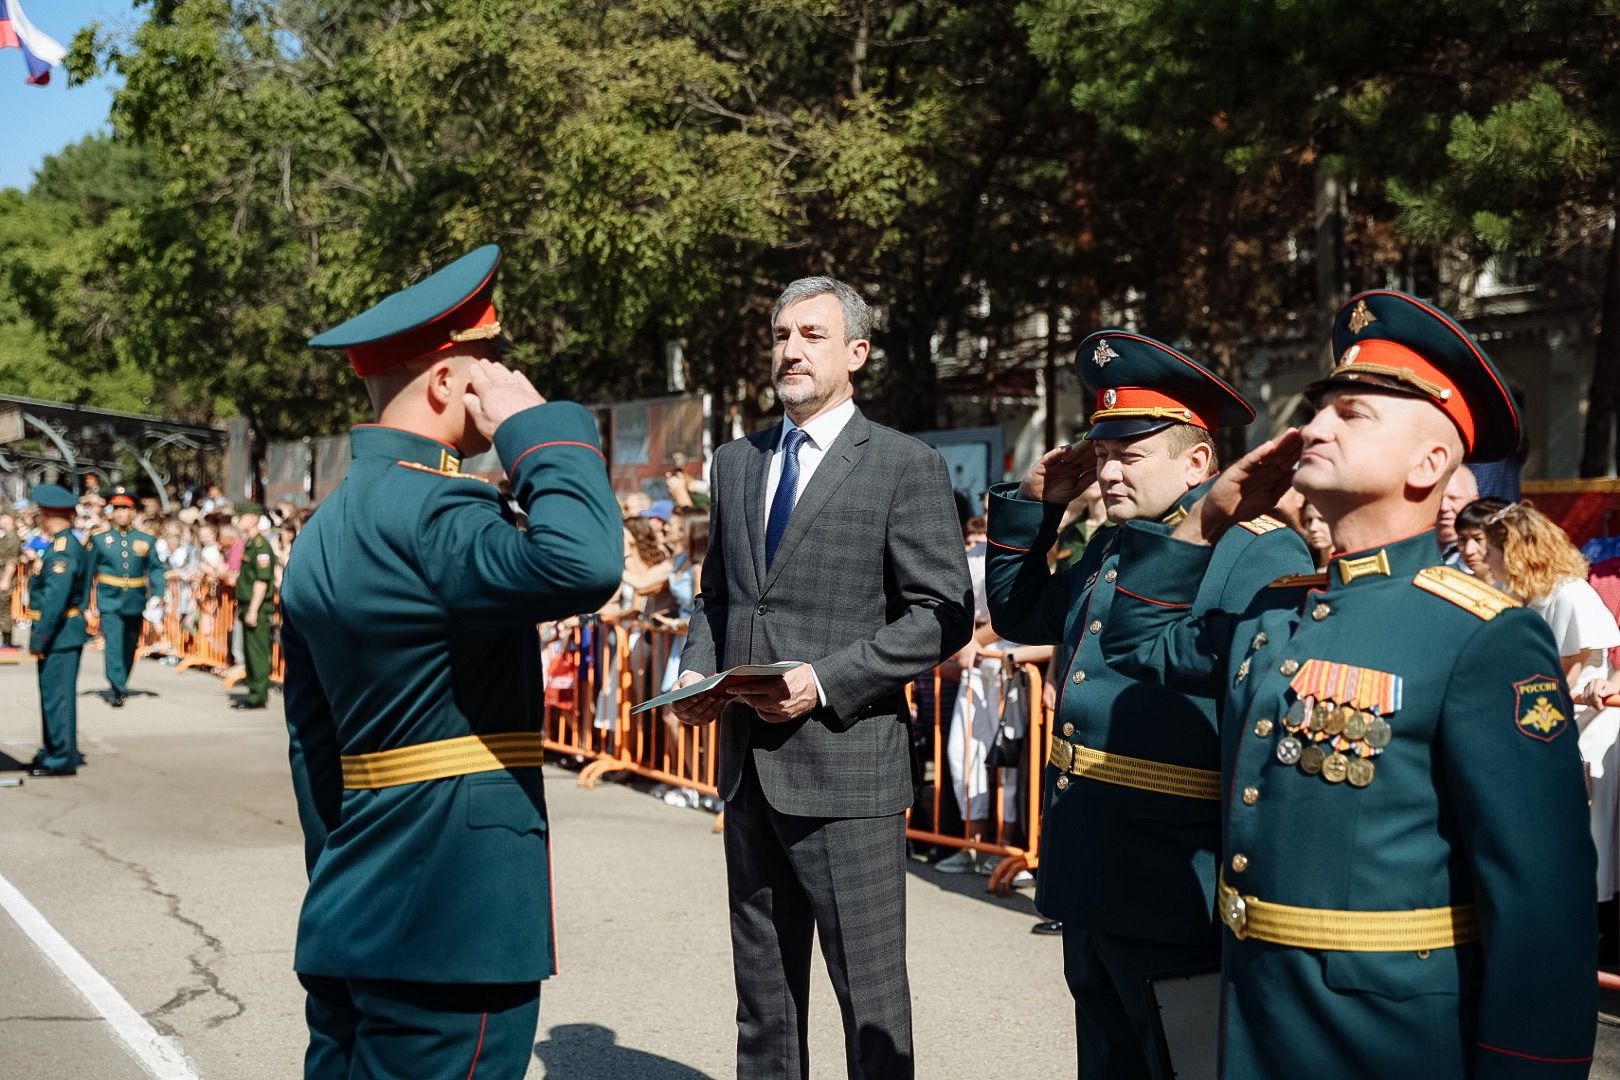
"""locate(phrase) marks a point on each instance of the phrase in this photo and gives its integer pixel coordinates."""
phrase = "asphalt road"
(172, 868)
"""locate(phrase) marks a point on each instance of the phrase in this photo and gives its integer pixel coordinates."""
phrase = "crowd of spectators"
(199, 539)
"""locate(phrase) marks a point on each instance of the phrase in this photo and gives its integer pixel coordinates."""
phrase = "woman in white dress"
(1532, 558)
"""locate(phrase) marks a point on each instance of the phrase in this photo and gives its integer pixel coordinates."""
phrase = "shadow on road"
(590, 1051)
(972, 886)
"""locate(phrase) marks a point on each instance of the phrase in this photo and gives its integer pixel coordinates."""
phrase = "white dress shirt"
(820, 434)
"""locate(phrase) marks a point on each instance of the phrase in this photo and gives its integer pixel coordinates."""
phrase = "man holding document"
(838, 547)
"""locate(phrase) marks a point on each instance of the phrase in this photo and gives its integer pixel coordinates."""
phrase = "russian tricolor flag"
(41, 51)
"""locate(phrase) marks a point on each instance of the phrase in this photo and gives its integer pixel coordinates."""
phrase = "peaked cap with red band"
(1142, 385)
(451, 306)
(121, 497)
(1398, 343)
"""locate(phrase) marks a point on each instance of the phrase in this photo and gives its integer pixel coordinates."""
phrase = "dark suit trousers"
(1113, 1011)
(790, 878)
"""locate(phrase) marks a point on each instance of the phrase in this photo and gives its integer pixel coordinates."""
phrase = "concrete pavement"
(173, 865)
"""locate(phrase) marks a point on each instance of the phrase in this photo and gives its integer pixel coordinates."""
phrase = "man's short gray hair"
(858, 316)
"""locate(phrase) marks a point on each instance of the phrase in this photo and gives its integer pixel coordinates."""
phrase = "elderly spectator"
(1534, 560)
(1460, 491)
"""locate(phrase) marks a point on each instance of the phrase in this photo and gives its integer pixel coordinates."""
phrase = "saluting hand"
(496, 393)
(1061, 474)
(1249, 488)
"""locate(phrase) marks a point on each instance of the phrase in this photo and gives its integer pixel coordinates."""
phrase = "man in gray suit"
(836, 544)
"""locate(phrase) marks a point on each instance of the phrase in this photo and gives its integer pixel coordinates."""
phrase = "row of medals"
(1335, 742)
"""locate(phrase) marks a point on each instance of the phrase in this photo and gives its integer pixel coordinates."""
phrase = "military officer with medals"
(1130, 834)
(57, 597)
(413, 691)
(129, 575)
(1406, 879)
(255, 605)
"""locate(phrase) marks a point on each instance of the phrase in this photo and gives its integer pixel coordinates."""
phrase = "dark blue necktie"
(786, 489)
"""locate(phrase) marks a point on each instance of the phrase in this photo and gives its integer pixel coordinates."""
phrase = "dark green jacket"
(409, 608)
(58, 595)
(1114, 858)
(128, 555)
(258, 564)
(1477, 799)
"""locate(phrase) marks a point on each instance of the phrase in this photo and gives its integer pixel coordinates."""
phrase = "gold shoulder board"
(1301, 581)
(1464, 590)
(1263, 524)
(441, 472)
(60, 545)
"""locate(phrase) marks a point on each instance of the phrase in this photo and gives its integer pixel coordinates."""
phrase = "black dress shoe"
(117, 700)
(46, 770)
(246, 705)
(1051, 926)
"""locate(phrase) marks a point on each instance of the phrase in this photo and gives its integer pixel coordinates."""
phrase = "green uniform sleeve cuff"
(556, 425)
(1156, 567)
(1021, 524)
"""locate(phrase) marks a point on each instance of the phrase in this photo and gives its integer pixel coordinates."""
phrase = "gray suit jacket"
(869, 585)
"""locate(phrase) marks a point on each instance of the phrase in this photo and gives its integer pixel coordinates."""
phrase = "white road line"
(157, 1055)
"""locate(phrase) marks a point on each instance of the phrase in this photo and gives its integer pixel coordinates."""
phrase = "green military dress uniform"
(1130, 831)
(258, 564)
(1407, 867)
(414, 704)
(10, 554)
(57, 596)
(128, 573)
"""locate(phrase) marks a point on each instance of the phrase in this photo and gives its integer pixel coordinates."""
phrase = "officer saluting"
(1131, 831)
(413, 691)
(128, 575)
(57, 598)
(1407, 872)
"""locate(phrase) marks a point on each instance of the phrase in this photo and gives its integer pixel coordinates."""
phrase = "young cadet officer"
(57, 598)
(1407, 873)
(128, 574)
(255, 605)
(413, 692)
(1130, 835)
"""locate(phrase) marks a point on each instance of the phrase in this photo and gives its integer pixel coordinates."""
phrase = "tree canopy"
(1216, 172)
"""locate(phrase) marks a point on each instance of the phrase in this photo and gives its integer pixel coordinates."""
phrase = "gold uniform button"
(1063, 783)
(1240, 862)
(1111, 575)
(1251, 795)
(1068, 729)
(1079, 677)
(1096, 625)
(1289, 666)
(1262, 727)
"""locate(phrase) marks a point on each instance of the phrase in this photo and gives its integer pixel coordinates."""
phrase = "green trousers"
(256, 658)
(120, 634)
(58, 698)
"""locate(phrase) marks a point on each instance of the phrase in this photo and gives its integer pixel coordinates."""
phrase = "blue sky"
(40, 120)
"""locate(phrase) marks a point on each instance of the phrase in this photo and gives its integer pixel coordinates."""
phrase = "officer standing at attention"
(57, 597)
(1407, 871)
(129, 575)
(414, 697)
(1131, 830)
(255, 605)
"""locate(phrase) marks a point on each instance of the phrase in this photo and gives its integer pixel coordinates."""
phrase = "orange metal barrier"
(1021, 837)
(596, 673)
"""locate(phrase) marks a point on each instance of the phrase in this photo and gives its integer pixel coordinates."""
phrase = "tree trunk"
(1598, 449)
